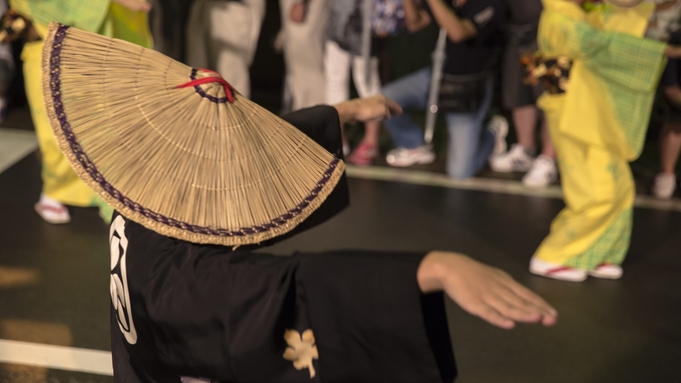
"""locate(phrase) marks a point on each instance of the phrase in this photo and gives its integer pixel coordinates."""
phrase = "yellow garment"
(632, 21)
(88, 15)
(60, 182)
(613, 77)
(598, 188)
(597, 126)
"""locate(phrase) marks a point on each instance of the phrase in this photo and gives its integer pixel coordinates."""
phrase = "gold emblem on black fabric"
(301, 350)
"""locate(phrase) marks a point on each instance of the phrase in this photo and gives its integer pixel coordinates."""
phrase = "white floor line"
(56, 357)
(420, 177)
(15, 145)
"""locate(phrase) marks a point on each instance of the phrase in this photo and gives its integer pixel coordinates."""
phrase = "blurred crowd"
(476, 81)
(328, 50)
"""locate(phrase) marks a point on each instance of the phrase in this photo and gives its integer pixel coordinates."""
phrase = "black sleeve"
(486, 16)
(206, 311)
(322, 124)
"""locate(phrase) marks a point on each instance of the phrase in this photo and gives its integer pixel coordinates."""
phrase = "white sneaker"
(498, 125)
(542, 174)
(515, 160)
(664, 185)
(52, 211)
(556, 271)
(403, 157)
(607, 271)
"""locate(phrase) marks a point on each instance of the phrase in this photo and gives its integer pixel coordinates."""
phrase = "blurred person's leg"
(520, 99)
(410, 92)
(594, 228)
(373, 85)
(664, 184)
(525, 121)
(469, 147)
(198, 36)
(336, 78)
(670, 146)
(543, 171)
(168, 22)
(367, 150)
(61, 185)
(336, 73)
(304, 52)
(241, 30)
(229, 42)
(157, 16)
(547, 148)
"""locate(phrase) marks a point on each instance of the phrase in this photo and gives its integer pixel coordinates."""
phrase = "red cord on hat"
(206, 80)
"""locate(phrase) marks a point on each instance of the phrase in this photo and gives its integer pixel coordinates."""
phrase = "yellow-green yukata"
(60, 182)
(598, 125)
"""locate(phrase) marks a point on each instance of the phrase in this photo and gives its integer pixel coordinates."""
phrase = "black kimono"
(231, 315)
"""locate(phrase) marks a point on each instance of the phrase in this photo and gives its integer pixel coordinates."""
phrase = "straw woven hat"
(174, 148)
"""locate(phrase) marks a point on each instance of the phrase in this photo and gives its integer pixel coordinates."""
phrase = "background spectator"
(664, 20)
(670, 136)
(344, 51)
(520, 99)
(223, 36)
(473, 29)
(168, 25)
(304, 24)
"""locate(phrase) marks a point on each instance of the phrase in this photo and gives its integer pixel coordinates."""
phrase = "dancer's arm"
(367, 109)
(484, 291)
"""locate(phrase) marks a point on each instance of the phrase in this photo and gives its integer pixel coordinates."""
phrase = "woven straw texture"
(186, 162)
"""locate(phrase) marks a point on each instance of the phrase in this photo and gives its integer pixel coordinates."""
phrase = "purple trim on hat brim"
(202, 93)
(91, 169)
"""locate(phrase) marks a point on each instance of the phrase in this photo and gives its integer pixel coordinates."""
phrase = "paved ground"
(54, 282)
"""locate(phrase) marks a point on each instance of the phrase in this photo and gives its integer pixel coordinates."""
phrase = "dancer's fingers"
(492, 316)
(526, 294)
(392, 108)
(513, 307)
(549, 320)
(533, 300)
(530, 297)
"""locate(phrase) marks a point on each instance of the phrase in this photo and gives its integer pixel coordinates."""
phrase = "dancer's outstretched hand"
(484, 291)
(373, 108)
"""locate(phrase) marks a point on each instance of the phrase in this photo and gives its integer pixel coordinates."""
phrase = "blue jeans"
(469, 144)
